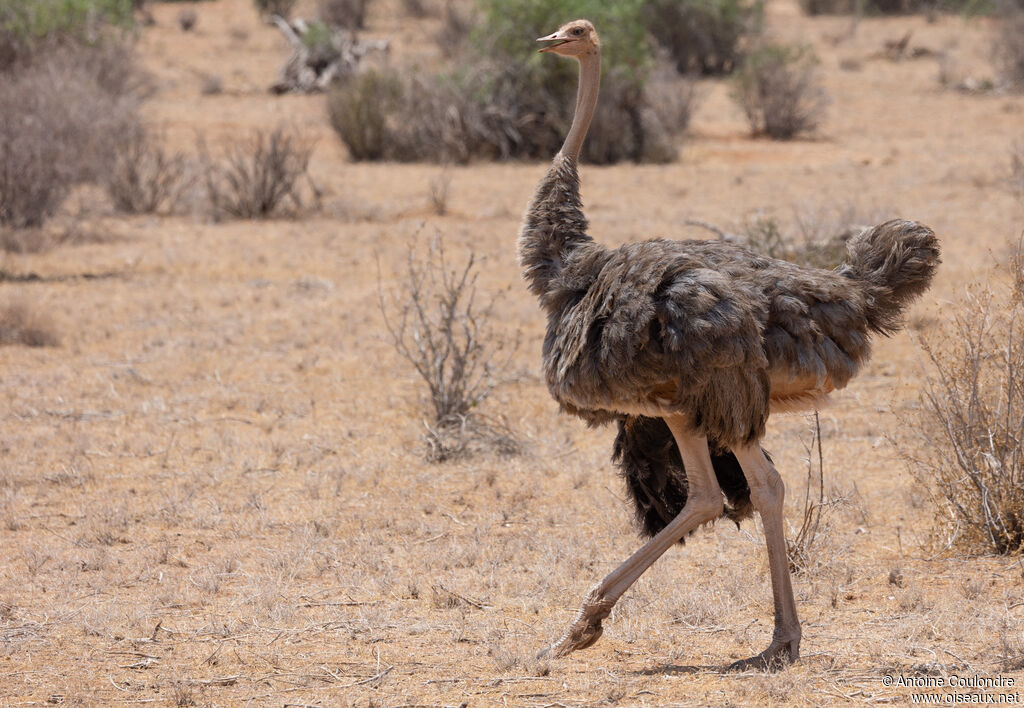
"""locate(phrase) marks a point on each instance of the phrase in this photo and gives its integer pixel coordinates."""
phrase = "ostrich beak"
(553, 37)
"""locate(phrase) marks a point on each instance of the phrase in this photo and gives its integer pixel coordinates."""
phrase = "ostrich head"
(573, 39)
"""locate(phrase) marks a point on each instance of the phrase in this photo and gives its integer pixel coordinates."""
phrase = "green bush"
(24, 24)
(76, 18)
(704, 36)
(777, 88)
(509, 28)
(344, 14)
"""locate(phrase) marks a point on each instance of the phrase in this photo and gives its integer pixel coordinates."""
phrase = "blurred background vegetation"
(71, 89)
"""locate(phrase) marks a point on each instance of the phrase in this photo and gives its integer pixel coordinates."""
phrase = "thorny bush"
(259, 175)
(438, 325)
(969, 433)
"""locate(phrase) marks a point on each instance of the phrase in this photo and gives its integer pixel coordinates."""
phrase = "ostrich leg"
(767, 493)
(703, 504)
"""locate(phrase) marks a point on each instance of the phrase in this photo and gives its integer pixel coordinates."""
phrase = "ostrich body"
(687, 346)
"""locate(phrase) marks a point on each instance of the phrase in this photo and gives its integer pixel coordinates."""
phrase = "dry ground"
(213, 491)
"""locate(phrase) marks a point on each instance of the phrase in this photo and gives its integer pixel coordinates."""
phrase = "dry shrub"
(499, 113)
(415, 8)
(778, 90)
(439, 191)
(455, 29)
(22, 324)
(380, 115)
(258, 175)
(145, 178)
(637, 123)
(438, 326)
(187, 19)
(1017, 169)
(62, 115)
(888, 7)
(966, 445)
(344, 14)
(704, 36)
(1009, 46)
(282, 8)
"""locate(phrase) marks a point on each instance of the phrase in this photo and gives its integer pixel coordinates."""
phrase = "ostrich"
(687, 346)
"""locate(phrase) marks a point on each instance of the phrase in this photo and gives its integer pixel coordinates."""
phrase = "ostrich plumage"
(689, 345)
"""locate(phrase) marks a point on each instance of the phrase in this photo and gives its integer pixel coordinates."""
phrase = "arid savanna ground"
(214, 492)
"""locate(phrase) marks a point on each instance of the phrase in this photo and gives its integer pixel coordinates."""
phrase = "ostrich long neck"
(586, 102)
(554, 224)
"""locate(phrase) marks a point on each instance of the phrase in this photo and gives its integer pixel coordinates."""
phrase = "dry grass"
(218, 477)
(21, 323)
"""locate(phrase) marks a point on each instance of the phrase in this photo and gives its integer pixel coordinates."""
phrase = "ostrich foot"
(779, 654)
(585, 630)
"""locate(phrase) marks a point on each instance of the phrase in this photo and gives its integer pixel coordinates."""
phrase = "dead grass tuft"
(804, 544)
(259, 175)
(440, 189)
(23, 324)
(415, 8)
(1017, 169)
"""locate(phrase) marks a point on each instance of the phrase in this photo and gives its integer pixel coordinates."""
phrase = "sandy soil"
(213, 492)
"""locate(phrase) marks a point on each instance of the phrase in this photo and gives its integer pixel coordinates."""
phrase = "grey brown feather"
(707, 329)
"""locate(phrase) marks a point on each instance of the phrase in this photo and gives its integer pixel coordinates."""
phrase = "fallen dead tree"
(320, 55)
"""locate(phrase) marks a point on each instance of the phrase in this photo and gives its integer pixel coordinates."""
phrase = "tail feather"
(897, 259)
(655, 477)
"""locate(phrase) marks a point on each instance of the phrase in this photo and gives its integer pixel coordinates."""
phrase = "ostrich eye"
(578, 31)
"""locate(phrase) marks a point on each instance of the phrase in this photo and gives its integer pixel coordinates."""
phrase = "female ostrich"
(688, 345)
